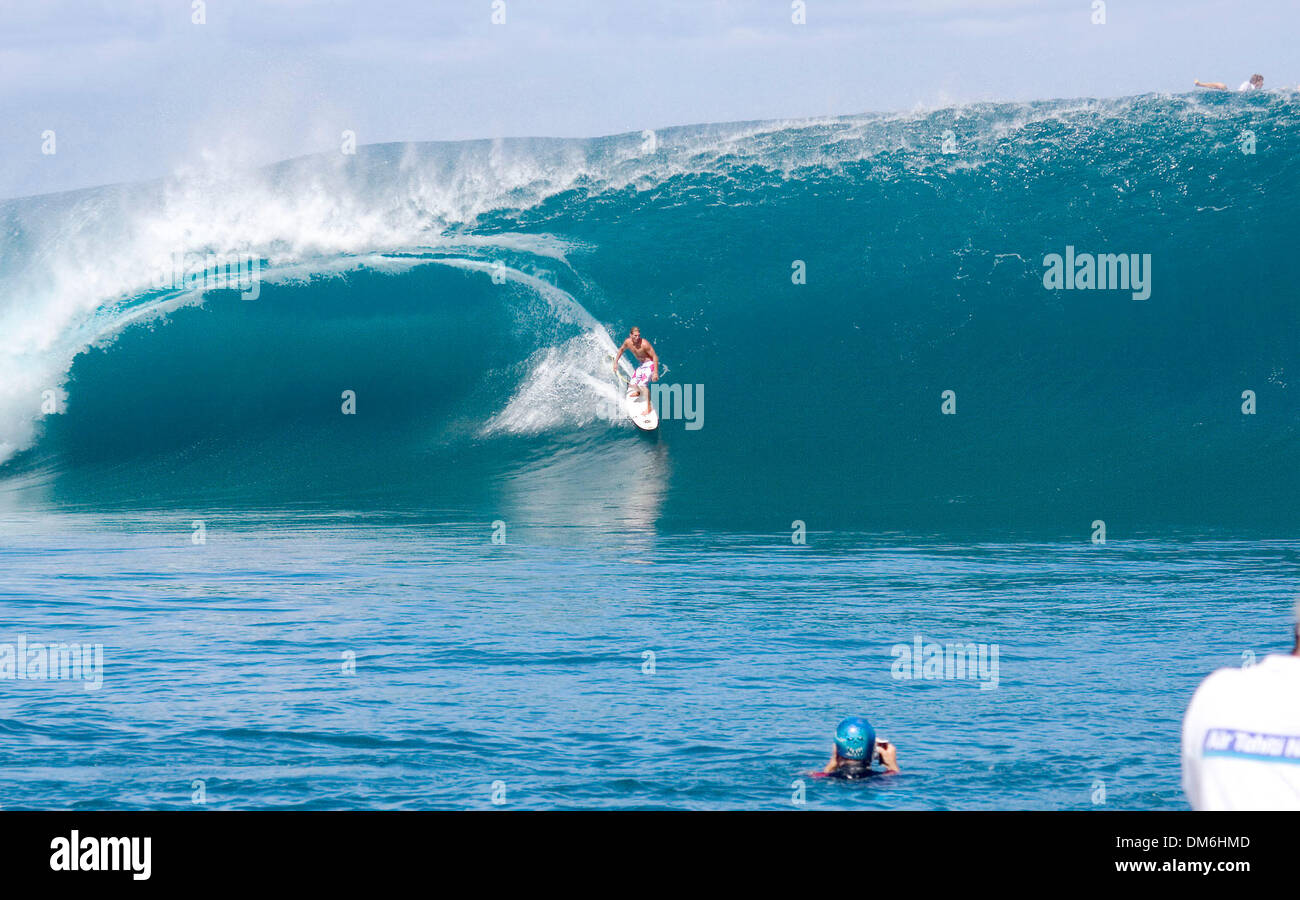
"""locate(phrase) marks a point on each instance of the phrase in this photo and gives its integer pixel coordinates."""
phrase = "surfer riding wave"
(647, 369)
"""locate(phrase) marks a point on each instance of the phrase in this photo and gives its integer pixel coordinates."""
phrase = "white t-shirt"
(1247, 86)
(1241, 738)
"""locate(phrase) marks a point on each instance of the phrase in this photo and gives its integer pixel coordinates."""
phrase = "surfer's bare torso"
(641, 350)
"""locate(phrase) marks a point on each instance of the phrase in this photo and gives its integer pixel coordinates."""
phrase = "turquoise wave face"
(466, 294)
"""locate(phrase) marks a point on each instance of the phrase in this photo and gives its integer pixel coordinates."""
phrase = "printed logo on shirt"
(1252, 745)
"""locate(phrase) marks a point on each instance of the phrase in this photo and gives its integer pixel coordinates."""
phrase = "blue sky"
(133, 89)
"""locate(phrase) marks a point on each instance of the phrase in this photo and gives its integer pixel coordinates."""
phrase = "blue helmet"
(855, 738)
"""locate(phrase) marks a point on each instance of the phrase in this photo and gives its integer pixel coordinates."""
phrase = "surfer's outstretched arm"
(1212, 85)
(618, 354)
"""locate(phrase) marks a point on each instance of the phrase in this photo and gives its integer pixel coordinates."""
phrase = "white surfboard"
(634, 407)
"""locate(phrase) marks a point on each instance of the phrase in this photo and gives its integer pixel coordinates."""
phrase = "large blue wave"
(466, 293)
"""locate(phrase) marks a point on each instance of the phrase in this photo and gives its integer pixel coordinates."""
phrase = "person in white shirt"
(1241, 736)
(1256, 83)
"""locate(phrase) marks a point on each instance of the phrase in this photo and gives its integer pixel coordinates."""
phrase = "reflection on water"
(621, 487)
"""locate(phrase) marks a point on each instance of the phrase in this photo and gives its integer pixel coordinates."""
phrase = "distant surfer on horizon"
(647, 369)
(1256, 83)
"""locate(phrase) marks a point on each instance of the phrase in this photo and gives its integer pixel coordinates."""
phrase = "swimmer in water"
(1256, 83)
(856, 748)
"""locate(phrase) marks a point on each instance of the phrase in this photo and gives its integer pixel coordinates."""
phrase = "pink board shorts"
(643, 373)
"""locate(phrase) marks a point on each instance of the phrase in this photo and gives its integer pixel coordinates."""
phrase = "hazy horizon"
(136, 90)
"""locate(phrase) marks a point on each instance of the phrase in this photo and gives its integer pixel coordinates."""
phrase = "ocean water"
(484, 575)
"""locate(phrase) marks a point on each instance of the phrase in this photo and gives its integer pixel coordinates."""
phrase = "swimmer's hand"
(887, 753)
